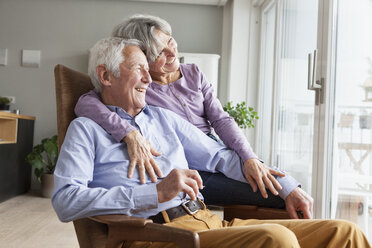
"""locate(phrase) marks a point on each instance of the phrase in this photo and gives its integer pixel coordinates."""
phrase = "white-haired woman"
(183, 89)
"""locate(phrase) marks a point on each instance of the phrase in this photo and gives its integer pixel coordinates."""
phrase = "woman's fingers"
(141, 154)
(261, 176)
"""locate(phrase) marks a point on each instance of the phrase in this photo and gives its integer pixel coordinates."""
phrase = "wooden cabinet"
(16, 141)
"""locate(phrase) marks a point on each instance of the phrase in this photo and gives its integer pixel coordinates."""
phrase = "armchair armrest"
(253, 212)
(126, 228)
(121, 219)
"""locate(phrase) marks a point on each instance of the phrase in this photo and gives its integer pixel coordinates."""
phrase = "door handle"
(312, 83)
(311, 73)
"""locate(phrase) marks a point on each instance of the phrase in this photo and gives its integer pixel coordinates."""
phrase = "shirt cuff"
(245, 155)
(145, 196)
(288, 184)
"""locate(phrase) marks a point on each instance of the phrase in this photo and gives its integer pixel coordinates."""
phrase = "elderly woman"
(183, 89)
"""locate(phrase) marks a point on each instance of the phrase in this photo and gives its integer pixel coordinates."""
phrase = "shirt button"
(184, 104)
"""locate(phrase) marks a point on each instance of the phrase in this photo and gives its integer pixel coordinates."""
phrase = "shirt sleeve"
(90, 106)
(73, 199)
(224, 125)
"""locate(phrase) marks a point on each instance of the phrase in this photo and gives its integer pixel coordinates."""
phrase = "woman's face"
(167, 60)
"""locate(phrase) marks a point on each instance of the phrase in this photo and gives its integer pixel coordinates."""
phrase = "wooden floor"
(30, 221)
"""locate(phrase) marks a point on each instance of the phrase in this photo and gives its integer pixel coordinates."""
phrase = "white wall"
(64, 30)
(238, 76)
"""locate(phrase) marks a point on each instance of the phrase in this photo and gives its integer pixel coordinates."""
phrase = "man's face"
(129, 89)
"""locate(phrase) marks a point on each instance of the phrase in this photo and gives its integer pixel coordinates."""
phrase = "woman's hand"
(140, 153)
(259, 175)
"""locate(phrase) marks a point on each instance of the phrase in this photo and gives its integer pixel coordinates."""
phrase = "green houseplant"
(4, 103)
(43, 159)
(243, 115)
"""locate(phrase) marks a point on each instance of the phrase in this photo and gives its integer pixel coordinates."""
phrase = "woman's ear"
(103, 75)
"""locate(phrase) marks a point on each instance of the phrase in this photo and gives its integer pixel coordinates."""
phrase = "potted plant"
(243, 115)
(44, 159)
(4, 103)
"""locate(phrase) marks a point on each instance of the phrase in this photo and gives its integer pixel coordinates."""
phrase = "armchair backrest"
(70, 85)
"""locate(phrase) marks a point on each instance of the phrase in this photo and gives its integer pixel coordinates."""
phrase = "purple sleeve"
(223, 124)
(90, 106)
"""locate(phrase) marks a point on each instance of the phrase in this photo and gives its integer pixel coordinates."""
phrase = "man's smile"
(141, 90)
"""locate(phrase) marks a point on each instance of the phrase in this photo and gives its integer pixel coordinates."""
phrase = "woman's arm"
(224, 125)
(258, 174)
(140, 151)
(89, 105)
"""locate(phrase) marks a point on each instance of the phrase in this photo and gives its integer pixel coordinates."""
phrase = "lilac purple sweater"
(192, 97)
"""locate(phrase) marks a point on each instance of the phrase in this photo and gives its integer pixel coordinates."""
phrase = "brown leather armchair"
(113, 230)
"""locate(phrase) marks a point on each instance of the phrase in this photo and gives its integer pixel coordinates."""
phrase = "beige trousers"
(266, 233)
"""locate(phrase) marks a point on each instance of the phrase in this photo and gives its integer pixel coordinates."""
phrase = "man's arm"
(73, 199)
(203, 153)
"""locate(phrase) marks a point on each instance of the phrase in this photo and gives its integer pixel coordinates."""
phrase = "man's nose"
(146, 78)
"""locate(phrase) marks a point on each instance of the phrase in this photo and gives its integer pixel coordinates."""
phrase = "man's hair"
(108, 52)
(142, 27)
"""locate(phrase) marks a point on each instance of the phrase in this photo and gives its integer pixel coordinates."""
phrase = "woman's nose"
(170, 52)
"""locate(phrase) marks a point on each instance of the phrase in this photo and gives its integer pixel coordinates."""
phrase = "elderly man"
(91, 173)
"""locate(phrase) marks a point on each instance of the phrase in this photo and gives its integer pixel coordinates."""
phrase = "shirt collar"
(121, 112)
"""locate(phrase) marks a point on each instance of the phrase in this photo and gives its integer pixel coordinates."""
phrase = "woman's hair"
(142, 27)
(108, 52)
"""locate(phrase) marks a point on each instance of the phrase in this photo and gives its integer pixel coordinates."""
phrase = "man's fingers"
(252, 182)
(307, 214)
(156, 168)
(150, 171)
(194, 174)
(193, 184)
(292, 212)
(190, 191)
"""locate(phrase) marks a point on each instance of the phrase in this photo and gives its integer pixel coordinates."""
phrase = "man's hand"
(259, 175)
(299, 200)
(140, 153)
(188, 181)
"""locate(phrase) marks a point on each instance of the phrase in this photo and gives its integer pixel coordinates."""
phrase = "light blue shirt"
(91, 172)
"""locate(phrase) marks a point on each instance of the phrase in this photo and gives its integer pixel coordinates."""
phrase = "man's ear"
(103, 75)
